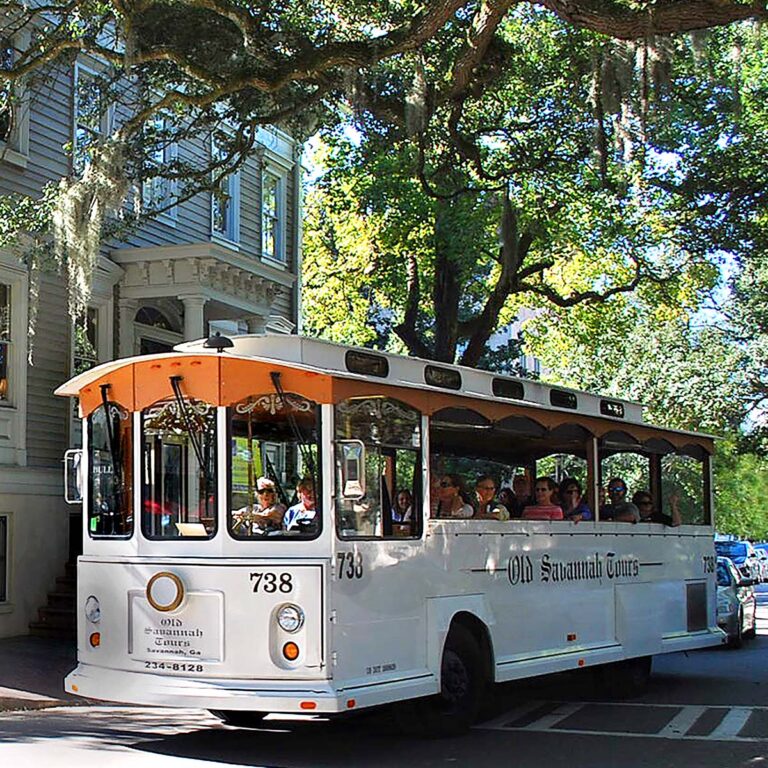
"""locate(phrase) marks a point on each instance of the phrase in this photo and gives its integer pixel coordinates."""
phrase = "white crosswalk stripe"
(680, 723)
(731, 724)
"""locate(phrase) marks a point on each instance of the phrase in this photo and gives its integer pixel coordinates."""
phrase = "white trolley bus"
(182, 602)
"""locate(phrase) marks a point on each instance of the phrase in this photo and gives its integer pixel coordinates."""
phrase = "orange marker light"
(308, 705)
(75, 688)
(95, 639)
(291, 651)
(351, 703)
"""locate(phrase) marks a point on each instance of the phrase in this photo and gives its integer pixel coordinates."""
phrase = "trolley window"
(273, 468)
(378, 469)
(110, 486)
(178, 469)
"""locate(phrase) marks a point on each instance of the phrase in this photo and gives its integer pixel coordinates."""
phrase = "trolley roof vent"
(367, 364)
(561, 398)
(513, 390)
(447, 378)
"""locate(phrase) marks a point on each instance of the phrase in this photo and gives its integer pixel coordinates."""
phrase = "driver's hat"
(265, 484)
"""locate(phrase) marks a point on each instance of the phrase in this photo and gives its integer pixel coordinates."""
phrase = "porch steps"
(57, 618)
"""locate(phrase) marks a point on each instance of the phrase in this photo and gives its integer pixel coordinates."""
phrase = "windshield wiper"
(306, 454)
(194, 438)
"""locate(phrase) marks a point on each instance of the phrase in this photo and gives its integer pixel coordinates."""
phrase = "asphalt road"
(708, 708)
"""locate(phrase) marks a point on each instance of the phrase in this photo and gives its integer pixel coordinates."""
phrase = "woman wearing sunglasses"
(267, 514)
(544, 509)
(574, 506)
(644, 502)
(451, 499)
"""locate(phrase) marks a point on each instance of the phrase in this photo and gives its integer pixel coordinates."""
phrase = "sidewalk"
(32, 671)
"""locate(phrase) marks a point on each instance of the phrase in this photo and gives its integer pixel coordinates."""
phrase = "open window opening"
(384, 500)
(274, 469)
(179, 469)
(110, 472)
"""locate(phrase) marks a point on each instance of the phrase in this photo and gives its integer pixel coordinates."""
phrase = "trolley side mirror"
(73, 476)
(351, 455)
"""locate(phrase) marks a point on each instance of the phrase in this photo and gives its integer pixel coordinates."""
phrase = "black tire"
(737, 640)
(752, 631)
(462, 684)
(625, 679)
(239, 718)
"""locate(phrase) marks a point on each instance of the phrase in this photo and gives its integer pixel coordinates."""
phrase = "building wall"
(38, 528)
(37, 427)
(48, 415)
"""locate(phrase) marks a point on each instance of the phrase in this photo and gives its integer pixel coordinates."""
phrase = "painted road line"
(678, 726)
(502, 722)
(731, 724)
(676, 729)
(562, 712)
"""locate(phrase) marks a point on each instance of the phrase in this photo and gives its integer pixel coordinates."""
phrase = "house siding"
(47, 415)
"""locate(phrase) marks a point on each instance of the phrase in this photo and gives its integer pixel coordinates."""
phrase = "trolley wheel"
(239, 718)
(462, 684)
(737, 640)
(625, 679)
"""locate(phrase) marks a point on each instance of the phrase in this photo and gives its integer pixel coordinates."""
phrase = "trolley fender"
(441, 612)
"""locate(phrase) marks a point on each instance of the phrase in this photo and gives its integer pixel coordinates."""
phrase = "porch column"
(256, 323)
(194, 318)
(126, 340)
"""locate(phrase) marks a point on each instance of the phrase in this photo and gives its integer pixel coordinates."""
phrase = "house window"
(91, 118)
(225, 198)
(272, 217)
(7, 56)
(5, 340)
(4, 558)
(14, 107)
(161, 154)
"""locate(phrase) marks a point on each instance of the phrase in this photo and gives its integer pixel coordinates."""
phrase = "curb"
(21, 705)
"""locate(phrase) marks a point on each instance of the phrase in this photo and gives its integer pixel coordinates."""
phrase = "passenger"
(644, 503)
(574, 506)
(543, 509)
(489, 508)
(451, 499)
(507, 498)
(521, 498)
(402, 512)
(619, 509)
(304, 509)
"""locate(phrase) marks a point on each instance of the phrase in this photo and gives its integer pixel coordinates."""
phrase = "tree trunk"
(447, 286)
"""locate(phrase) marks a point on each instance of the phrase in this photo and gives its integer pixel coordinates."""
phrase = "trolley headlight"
(290, 618)
(93, 609)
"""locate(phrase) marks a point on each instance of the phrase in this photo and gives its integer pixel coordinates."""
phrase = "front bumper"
(294, 696)
(174, 691)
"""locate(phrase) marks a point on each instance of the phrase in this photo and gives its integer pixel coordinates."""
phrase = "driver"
(305, 508)
(267, 514)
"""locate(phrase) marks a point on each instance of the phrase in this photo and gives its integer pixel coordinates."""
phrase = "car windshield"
(723, 575)
(736, 550)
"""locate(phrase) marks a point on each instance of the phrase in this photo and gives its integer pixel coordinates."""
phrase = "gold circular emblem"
(165, 591)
